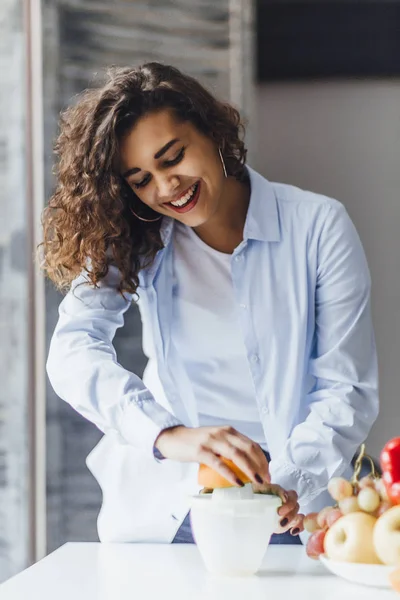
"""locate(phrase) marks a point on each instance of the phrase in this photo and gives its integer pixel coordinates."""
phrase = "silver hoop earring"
(145, 220)
(223, 163)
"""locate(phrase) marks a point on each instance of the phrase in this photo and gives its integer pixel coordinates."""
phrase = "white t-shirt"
(206, 332)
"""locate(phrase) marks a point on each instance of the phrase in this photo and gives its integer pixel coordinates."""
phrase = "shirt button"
(265, 410)
(255, 358)
(242, 305)
(238, 257)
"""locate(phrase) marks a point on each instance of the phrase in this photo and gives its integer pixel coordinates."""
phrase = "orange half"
(209, 478)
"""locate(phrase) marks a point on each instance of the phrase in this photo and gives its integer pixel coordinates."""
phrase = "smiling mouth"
(187, 200)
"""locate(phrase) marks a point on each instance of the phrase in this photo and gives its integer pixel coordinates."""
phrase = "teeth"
(184, 199)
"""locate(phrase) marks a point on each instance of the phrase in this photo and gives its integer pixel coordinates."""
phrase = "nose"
(166, 185)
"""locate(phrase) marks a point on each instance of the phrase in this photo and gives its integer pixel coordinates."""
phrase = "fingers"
(271, 488)
(288, 514)
(248, 456)
(245, 463)
(296, 526)
(208, 457)
(226, 442)
(254, 451)
(290, 505)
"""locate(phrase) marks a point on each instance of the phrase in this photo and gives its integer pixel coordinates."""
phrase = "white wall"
(343, 139)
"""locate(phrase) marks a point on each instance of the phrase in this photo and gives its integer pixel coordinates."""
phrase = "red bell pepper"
(390, 463)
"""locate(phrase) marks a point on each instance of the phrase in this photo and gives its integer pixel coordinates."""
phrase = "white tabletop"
(174, 572)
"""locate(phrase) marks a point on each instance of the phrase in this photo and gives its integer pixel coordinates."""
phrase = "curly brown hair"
(88, 216)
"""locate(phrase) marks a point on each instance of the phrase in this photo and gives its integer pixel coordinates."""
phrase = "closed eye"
(142, 183)
(166, 163)
(176, 160)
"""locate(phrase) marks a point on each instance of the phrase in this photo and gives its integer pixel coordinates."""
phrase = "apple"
(350, 539)
(387, 536)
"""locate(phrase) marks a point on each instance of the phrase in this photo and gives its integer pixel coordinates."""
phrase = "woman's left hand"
(289, 517)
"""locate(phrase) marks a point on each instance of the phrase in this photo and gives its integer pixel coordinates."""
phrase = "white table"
(166, 572)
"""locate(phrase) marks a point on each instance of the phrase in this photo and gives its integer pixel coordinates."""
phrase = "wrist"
(161, 440)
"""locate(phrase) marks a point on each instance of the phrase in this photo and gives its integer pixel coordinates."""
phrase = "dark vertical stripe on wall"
(29, 211)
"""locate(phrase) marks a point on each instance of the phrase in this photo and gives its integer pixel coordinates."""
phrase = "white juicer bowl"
(233, 530)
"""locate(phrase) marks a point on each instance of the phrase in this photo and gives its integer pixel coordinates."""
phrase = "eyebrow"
(157, 155)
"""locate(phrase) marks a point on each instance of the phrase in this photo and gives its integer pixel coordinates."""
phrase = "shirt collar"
(262, 220)
(167, 224)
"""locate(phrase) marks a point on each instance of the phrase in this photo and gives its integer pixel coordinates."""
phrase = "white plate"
(371, 575)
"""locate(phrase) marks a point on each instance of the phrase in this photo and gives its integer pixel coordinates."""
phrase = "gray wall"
(81, 38)
(14, 450)
(343, 139)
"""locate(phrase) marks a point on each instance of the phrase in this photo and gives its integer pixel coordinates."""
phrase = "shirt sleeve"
(343, 403)
(84, 371)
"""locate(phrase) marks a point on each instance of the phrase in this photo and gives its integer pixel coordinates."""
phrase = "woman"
(254, 298)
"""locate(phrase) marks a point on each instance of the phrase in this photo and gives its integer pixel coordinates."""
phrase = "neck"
(224, 230)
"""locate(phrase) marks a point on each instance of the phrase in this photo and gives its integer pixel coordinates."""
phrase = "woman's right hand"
(209, 445)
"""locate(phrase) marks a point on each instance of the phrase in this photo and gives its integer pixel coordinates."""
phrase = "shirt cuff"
(142, 422)
(290, 478)
(157, 454)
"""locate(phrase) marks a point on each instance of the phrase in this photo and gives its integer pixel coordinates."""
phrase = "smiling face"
(173, 168)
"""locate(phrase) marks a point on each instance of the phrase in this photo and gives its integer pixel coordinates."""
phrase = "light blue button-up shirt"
(302, 274)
